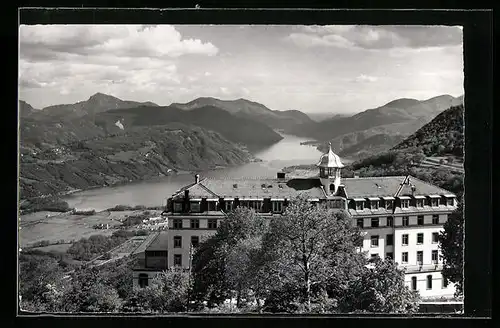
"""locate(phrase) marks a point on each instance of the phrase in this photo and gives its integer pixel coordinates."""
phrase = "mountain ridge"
(251, 110)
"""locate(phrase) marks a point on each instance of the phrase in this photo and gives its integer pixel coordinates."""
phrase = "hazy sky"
(310, 68)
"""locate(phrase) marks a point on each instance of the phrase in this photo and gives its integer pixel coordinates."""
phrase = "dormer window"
(177, 207)
(419, 202)
(388, 202)
(405, 203)
(212, 205)
(360, 205)
(195, 207)
(374, 204)
(277, 206)
(434, 202)
(449, 201)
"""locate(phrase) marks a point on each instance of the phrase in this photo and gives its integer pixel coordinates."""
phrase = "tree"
(224, 263)
(380, 288)
(90, 294)
(451, 244)
(168, 292)
(40, 276)
(307, 247)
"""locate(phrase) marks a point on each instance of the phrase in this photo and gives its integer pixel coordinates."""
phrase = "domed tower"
(329, 171)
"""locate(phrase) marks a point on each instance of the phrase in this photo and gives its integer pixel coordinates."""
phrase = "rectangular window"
(228, 205)
(404, 257)
(277, 207)
(177, 223)
(177, 260)
(390, 221)
(406, 221)
(429, 282)
(449, 201)
(177, 207)
(389, 255)
(360, 223)
(177, 241)
(338, 203)
(374, 241)
(195, 241)
(435, 237)
(420, 203)
(256, 205)
(212, 206)
(435, 219)
(434, 202)
(420, 257)
(434, 256)
(374, 256)
(374, 204)
(405, 203)
(212, 223)
(360, 205)
(445, 282)
(404, 240)
(413, 283)
(420, 220)
(420, 238)
(195, 223)
(195, 207)
(375, 222)
(389, 204)
(390, 240)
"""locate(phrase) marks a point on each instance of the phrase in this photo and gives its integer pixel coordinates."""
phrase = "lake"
(154, 192)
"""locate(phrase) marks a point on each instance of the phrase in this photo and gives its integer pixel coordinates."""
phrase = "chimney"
(186, 194)
(413, 189)
(197, 178)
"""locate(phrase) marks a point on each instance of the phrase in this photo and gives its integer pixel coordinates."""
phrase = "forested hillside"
(443, 136)
(136, 154)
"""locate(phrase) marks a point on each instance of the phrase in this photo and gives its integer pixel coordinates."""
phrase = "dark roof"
(160, 243)
(149, 239)
(388, 186)
(258, 188)
(366, 212)
(365, 187)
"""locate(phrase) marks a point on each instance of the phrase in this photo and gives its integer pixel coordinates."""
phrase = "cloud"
(208, 73)
(224, 90)
(377, 37)
(103, 57)
(54, 41)
(365, 78)
(312, 40)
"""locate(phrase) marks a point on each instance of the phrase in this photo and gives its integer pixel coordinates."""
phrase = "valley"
(106, 141)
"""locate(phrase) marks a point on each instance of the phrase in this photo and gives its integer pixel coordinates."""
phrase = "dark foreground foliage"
(288, 265)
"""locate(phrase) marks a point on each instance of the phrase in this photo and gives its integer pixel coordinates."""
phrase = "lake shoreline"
(154, 190)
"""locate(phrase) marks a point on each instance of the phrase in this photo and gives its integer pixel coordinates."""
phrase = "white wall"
(186, 234)
(413, 247)
(437, 284)
(382, 248)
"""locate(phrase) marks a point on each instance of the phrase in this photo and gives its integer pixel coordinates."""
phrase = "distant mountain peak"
(402, 103)
(100, 95)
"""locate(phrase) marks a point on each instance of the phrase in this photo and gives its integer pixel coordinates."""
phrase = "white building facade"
(401, 216)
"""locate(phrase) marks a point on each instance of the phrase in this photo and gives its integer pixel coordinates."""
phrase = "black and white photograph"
(241, 169)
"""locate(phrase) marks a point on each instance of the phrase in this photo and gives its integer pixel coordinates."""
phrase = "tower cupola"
(329, 171)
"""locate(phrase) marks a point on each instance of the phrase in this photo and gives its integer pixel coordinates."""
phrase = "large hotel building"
(400, 216)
